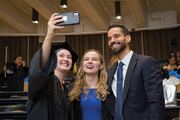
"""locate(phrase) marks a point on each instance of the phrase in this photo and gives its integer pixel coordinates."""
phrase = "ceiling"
(96, 15)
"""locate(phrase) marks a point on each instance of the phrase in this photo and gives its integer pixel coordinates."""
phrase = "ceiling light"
(117, 9)
(63, 3)
(35, 16)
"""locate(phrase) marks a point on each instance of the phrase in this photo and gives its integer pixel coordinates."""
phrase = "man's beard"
(119, 49)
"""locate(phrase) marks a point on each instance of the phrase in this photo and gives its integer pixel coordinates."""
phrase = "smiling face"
(91, 63)
(64, 60)
(117, 41)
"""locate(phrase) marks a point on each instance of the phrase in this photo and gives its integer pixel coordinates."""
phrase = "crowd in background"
(15, 74)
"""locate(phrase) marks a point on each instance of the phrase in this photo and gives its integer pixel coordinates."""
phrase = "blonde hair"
(113, 60)
(78, 86)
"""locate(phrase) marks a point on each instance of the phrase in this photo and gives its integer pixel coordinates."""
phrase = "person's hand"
(54, 19)
(165, 67)
(23, 63)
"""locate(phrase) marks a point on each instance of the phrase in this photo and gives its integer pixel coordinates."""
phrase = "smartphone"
(70, 18)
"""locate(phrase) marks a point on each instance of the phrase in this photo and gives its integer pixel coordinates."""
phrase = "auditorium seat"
(13, 105)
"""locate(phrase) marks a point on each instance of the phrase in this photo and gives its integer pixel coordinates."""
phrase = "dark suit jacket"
(143, 92)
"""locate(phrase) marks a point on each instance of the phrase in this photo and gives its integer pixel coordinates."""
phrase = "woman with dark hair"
(48, 69)
(172, 66)
(89, 91)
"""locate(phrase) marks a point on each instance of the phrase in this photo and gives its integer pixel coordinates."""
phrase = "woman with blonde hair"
(89, 91)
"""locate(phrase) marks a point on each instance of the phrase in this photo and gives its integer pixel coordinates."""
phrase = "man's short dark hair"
(122, 27)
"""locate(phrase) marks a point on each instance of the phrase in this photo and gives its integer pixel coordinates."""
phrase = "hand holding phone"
(70, 18)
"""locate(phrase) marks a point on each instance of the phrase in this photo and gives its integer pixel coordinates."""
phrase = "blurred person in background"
(15, 73)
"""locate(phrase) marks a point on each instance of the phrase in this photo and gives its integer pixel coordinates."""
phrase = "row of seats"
(13, 105)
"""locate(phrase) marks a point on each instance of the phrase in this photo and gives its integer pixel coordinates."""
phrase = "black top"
(47, 100)
(16, 77)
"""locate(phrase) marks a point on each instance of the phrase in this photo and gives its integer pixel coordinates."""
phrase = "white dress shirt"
(125, 61)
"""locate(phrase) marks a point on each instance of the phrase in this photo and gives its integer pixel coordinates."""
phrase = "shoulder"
(113, 66)
(145, 58)
(112, 69)
(145, 61)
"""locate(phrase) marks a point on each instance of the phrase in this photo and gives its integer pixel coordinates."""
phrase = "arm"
(153, 87)
(38, 78)
(46, 47)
